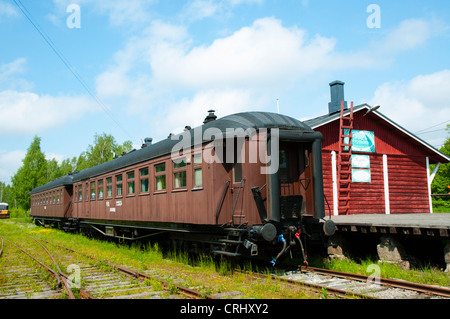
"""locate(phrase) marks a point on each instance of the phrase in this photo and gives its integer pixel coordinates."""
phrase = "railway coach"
(239, 185)
(4, 212)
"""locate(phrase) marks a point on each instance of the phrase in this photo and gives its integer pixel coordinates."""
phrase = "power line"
(67, 63)
(432, 127)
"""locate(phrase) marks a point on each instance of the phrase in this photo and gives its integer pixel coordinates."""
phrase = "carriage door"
(237, 188)
(295, 181)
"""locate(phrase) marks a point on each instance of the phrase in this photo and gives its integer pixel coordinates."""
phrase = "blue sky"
(156, 66)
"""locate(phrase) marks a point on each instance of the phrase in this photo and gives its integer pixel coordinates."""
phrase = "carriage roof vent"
(210, 117)
(147, 142)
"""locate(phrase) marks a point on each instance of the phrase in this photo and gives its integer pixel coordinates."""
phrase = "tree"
(30, 175)
(103, 150)
(442, 178)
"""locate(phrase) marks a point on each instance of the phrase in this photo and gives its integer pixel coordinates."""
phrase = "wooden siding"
(408, 191)
(388, 139)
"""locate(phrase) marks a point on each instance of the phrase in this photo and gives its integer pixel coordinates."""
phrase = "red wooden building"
(372, 165)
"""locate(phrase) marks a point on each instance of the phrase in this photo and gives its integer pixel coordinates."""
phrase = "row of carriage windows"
(48, 198)
(139, 181)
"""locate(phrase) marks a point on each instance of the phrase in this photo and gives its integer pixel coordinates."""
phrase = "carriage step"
(235, 229)
(231, 241)
(226, 253)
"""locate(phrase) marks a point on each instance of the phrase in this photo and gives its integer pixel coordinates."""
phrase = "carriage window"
(93, 190)
(118, 185)
(100, 189)
(198, 176)
(130, 180)
(160, 177)
(109, 187)
(58, 196)
(283, 172)
(80, 192)
(237, 172)
(179, 175)
(179, 179)
(144, 180)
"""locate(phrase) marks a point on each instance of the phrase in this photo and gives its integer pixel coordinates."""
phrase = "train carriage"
(234, 185)
(4, 211)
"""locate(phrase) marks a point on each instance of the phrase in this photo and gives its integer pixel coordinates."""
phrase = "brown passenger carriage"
(206, 185)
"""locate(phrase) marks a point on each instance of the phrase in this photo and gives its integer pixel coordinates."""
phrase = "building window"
(179, 173)
(118, 185)
(100, 189)
(198, 176)
(92, 190)
(130, 180)
(160, 177)
(144, 180)
(109, 187)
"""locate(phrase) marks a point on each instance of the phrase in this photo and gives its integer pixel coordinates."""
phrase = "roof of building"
(327, 118)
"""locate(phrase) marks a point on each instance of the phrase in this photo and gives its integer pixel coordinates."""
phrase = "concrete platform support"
(337, 247)
(447, 255)
(391, 251)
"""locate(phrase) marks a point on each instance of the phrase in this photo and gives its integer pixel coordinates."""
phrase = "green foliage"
(30, 175)
(37, 171)
(442, 179)
(104, 149)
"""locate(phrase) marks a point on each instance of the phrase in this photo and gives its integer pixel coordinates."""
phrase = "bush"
(18, 213)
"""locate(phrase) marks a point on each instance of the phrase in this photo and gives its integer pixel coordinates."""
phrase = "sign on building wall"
(362, 141)
(360, 161)
(361, 169)
(361, 176)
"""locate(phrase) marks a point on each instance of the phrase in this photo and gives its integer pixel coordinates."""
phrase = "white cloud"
(10, 161)
(7, 10)
(9, 73)
(263, 54)
(30, 113)
(418, 104)
(408, 35)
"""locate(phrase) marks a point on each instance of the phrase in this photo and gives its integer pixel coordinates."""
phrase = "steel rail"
(330, 290)
(64, 277)
(140, 275)
(1, 250)
(51, 271)
(60, 273)
(428, 289)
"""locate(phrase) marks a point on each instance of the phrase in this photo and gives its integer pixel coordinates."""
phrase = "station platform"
(432, 225)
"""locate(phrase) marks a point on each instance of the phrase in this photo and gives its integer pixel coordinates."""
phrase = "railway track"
(21, 278)
(342, 284)
(89, 277)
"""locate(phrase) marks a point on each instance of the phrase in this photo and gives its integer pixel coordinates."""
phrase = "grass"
(204, 273)
(426, 275)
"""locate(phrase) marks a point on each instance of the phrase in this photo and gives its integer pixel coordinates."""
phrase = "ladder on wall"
(344, 166)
